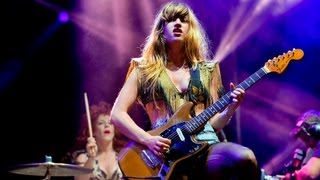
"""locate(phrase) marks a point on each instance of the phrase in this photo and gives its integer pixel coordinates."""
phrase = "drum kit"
(49, 169)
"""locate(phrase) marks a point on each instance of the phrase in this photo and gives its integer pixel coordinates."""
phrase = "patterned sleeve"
(135, 66)
(214, 81)
(135, 62)
(218, 82)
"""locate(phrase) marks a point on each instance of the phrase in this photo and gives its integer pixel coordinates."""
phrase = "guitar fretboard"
(218, 106)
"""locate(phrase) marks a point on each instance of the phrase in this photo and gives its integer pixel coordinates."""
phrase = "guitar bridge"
(150, 159)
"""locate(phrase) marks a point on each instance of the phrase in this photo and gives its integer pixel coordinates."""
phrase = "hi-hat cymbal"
(51, 169)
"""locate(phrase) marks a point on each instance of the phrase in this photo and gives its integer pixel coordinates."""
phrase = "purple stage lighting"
(63, 17)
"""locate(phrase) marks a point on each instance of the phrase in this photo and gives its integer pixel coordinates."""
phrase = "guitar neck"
(222, 103)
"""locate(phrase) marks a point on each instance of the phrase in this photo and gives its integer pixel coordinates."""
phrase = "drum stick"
(88, 114)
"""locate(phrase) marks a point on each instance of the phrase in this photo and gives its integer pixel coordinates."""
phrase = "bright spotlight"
(63, 17)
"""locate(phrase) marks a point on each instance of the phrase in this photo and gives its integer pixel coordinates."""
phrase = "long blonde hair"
(154, 54)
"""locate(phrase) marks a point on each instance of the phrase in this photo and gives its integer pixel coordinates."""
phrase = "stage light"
(63, 17)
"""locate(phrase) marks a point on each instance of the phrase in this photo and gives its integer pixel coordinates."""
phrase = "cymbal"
(51, 169)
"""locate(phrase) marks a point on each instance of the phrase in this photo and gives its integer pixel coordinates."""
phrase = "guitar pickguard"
(180, 146)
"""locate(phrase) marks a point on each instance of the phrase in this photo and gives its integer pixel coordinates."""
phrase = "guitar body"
(137, 161)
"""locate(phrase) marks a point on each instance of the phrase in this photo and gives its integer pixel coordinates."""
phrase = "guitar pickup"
(180, 134)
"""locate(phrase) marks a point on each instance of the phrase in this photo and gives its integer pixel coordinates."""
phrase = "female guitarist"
(174, 69)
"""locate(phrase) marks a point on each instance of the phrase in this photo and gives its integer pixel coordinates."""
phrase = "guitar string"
(260, 73)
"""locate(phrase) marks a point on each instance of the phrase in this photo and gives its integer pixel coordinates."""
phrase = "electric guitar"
(138, 162)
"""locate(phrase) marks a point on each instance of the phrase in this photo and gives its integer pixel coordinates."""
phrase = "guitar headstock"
(279, 64)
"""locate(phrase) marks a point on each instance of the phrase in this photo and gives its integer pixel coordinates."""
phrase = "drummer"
(100, 151)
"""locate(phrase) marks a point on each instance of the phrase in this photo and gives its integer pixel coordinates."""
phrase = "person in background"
(175, 68)
(308, 130)
(99, 152)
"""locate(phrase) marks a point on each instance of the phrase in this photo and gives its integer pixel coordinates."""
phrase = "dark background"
(46, 66)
